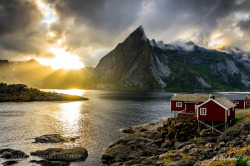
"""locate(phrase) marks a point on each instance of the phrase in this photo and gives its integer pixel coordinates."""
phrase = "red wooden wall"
(174, 108)
(190, 107)
(242, 103)
(214, 112)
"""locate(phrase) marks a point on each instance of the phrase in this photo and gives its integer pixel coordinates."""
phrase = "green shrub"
(241, 160)
(239, 118)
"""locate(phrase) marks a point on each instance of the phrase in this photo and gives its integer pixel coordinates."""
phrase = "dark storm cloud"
(21, 31)
(245, 25)
(96, 22)
(17, 15)
(166, 20)
(109, 14)
(113, 16)
(202, 13)
(24, 45)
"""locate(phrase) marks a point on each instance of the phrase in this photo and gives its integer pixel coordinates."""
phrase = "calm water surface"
(98, 121)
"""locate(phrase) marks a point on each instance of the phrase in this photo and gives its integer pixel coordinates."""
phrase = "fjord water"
(98, 121)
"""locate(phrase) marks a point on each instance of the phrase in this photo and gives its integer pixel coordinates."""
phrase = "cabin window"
(228, 112)
(203, 111)
(179, 104)
(236, 102)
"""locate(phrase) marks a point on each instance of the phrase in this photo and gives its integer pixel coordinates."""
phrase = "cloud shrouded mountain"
(138, 63)
(90, 29)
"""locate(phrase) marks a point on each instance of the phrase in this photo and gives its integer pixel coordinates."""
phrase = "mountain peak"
(137, 35)
(190, 43)
(140, 28)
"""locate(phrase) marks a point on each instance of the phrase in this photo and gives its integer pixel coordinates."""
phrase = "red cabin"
(218, 110)
(239, 100)
(186, 103)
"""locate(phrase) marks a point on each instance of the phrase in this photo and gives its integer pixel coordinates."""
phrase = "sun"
(62, 60)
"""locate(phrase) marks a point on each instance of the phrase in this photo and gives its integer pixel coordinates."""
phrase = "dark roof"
(235, 97)
(225, 102)
(190, 97)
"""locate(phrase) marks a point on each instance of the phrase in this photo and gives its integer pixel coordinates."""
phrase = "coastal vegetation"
(22, 93)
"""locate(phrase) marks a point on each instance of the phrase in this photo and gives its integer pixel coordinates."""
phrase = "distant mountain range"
(36, 75)
(140, 64)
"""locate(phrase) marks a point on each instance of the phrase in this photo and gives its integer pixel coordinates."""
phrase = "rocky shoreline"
(50, 156)
(21, 93)
(176, 141)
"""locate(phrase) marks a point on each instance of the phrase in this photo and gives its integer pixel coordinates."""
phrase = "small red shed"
(238, 99)
(217, 110)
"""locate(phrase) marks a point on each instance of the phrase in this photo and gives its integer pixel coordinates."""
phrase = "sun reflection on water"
(78, 92)
(70, 116)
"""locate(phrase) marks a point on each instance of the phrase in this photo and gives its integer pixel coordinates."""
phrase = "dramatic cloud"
(91, 28)
(21, 32)
(16, 15)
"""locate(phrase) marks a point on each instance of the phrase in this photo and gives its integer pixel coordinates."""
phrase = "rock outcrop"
(59, 154)
(12, 154)
(176, 141)
(50, 138)
(50, 163)
(11, 162)
(54, 138)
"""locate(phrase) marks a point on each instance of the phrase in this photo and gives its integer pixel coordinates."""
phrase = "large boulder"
(12, 154)
(118, 153)
(12, 162)
(131, 147)
(59, 154)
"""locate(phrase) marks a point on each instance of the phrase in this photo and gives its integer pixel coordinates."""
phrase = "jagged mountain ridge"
(138, 63)
(133, 64)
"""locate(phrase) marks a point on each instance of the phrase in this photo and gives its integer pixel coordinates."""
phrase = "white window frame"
(201, 111)
(228, 112)
(236, 102)
(178, 104)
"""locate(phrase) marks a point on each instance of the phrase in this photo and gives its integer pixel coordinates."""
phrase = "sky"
(83, 31)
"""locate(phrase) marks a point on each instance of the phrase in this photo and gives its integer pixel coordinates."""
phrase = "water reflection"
(70, 116)
(97, 121)
(78, 92)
